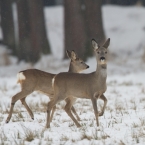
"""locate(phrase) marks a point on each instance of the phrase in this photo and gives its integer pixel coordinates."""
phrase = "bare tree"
(94, 24)
(143, 2)
(83, 21)
(32, 34)
(37, 23)
(7, 24)
(24, 51)
(74, 27)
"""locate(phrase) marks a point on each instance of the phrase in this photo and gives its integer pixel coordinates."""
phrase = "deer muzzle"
(102, 60)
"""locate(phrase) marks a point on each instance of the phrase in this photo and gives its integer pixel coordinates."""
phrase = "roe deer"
(90, 86)
(36, 80)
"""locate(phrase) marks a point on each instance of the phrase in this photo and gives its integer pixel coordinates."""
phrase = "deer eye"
(98, 52)
(106, 52)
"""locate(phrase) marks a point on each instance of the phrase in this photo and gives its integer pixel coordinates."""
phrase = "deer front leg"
(51, 104)
(94, 99)
(102, 97)
(27, 107)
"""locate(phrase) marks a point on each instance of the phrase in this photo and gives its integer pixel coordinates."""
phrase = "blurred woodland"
(27, 39)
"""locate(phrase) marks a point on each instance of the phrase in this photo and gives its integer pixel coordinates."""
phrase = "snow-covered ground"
(124, 119)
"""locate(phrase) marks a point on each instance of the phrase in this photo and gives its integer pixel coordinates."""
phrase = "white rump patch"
(20, 77)
(53, 82)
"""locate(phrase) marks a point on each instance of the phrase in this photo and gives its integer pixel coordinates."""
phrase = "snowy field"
(123, 122)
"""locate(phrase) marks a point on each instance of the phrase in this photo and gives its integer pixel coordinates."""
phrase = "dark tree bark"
(32, 34)
(49, 2)
(37, 23)
(75, 35)
(143, 2)
(120, 2)
(94, 24)
(24, 45)
(7, 24)
(83, 21)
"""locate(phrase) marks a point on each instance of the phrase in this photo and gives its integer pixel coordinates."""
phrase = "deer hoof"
(78, 125)
(101, 113)
(48, 126)
(7, 121)
(78, 119)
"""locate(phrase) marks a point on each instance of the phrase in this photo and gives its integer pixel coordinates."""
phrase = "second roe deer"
(89, 86)
(36, 80)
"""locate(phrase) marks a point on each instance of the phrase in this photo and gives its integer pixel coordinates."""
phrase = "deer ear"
(95, 44)
(68, 53)
(107, 43)
(73, 55)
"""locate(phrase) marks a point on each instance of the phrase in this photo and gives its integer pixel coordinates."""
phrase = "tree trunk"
(83, 21)
(32, 34)
(94, 24)
(75, 35)
(143, 2)
(24, 45)
(37, 23)
(7, 24)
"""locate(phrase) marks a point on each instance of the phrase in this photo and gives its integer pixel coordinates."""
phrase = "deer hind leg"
(75, 113)
(15, 98)
(72, 108)
(52, 112)
(67, 108)
(102, 97)
(27, 107)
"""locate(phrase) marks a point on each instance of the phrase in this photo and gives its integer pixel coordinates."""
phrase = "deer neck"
(101, 71)
(72, 68)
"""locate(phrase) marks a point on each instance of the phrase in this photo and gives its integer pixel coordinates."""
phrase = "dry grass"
(30, 134)
(119, 109)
